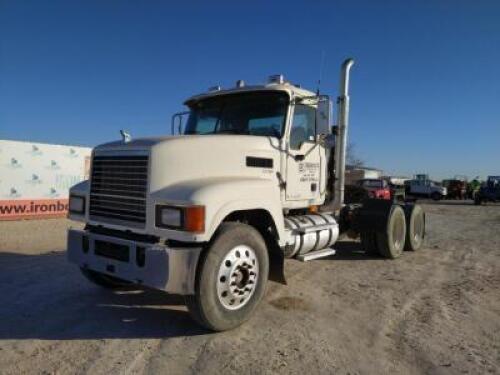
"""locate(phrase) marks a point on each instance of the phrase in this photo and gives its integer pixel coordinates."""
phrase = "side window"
(303, 125)
(269, 126)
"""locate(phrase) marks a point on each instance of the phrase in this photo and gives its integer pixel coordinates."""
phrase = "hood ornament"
(126, 137)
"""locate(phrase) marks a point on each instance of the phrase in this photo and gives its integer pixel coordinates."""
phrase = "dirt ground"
(436, 311)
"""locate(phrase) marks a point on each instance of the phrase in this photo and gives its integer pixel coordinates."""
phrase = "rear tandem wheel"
(384, 230)
(391, 241)
(415, 227)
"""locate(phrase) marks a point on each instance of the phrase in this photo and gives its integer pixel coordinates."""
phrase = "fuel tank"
(311, 232)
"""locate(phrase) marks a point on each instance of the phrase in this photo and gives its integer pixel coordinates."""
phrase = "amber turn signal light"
(194, 219)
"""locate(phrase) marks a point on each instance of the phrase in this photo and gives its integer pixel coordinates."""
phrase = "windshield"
(258, 113)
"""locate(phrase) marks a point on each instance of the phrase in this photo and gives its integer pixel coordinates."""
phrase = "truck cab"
(252, 176)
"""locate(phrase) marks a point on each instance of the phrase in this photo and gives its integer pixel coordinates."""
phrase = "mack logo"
(126, 137)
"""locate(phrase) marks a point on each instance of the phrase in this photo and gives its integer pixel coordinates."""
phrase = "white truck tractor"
(255, 175)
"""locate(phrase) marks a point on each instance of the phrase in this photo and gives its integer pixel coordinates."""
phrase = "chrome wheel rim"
(237, 277)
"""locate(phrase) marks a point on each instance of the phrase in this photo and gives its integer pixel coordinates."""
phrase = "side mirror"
(323, 116)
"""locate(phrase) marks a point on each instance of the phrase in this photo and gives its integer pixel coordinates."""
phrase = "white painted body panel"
(302, 175)
(209, 170)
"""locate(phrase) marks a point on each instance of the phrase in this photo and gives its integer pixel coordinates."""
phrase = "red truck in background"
(376, 188)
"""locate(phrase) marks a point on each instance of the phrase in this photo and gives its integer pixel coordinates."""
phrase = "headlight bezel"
(192, 217)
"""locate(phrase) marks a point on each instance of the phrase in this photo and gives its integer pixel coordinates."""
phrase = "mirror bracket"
(178, 116)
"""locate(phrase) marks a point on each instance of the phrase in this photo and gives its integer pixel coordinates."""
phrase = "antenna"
(320, 70)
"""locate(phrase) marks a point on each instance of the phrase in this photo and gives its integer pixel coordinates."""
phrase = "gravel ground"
(436, 311)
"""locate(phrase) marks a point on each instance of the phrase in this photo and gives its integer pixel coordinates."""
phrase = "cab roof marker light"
(276, 78)
(240, 83)
(214, 88)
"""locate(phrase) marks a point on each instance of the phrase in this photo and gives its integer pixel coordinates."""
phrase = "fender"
(221, 196)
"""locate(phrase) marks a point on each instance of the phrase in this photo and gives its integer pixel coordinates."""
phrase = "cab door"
(303, 177)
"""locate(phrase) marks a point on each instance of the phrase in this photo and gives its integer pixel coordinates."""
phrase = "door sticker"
(309, 172)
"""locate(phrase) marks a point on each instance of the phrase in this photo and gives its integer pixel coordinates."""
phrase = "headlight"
(76, 204)
(189, 218)
(169, 217)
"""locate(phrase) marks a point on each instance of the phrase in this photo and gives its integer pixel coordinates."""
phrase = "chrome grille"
(118, 188)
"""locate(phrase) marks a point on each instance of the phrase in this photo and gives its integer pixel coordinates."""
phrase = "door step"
(316, 254)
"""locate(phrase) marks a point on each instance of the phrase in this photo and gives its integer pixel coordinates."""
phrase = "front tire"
(231, 278)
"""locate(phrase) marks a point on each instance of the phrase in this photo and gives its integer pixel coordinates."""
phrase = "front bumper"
(170, 269)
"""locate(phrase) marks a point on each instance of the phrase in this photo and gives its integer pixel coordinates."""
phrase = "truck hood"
(134, 144)
(178, 159)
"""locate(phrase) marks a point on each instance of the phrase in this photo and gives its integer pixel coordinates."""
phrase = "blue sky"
(425, 94)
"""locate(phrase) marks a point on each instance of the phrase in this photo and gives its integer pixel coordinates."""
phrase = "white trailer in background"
(35, 178)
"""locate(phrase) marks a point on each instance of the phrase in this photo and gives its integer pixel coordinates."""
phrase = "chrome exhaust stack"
(341, 136)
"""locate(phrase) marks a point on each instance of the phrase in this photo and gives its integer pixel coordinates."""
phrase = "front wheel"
(231, 278)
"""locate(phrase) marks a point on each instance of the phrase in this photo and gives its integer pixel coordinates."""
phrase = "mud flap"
(372, 216)
(277, 265)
